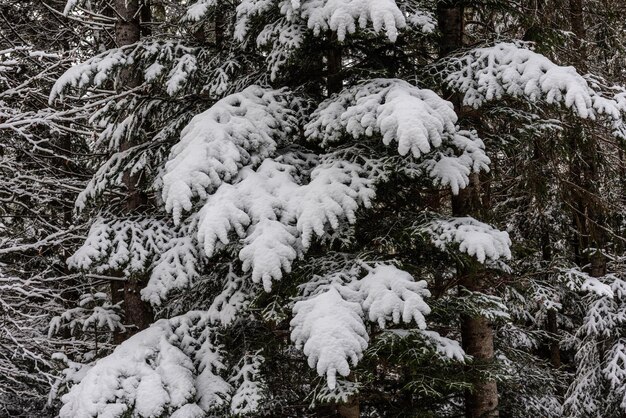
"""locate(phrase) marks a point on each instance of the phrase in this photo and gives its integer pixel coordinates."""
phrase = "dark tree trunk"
(577, 23)
(553, 328)
(334, 80)
(476, 332)
(137, 313)
(477, 340)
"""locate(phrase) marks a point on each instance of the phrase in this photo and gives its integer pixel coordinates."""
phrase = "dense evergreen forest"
(312, 208)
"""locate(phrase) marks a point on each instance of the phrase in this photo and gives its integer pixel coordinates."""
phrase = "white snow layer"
(169, 369)
(329, 325)
(422, 123)
(241, 129)
(474, 238)
(489, 73)
(340, 16)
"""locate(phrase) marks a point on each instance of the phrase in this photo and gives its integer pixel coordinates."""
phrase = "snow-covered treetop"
(473, 237)
(170, 369)
(490, 73)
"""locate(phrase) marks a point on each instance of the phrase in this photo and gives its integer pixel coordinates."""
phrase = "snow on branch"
(510, 69)
(474, 238)
(343, 16)
(276, 215)
(421, 122)
(124, 244)
(331, 332)
(198, 10)
(328, 324)
(391, 295)
(176, 268)
(615, 370)
(249, 386)
(415, 118)
(284, 38)
(170, 254)
(169, 62)
(320, 16)
(231, 301)
(608, 286)
(93, 311)
(239, 130)
(170, 369)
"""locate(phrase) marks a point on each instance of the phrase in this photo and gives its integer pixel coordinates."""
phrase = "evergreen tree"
(312, 208)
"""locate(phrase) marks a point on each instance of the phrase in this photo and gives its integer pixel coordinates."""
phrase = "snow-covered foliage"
(277, 216)
(248, 394)
(320, 16)
(170, 63)
(423, 20)
(177, 267)
(474, 238)
(145, 245)
(126, 244)
(229, 304)
(198, 9)
(171, 368)
(489, 73)
(329, 324)
(331, 332)
(240, 130)
(25, 362)
(275, 206)
(342, 16)
(388, 108)
(599, 342)
(94, 312)
(234, 189)
(392, 295)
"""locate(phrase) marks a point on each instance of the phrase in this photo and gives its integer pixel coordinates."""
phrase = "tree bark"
(476, 332)
(334, 80)
(577, 24)
(350, 409)
(553, 329)
(590, 218)
(137, 313)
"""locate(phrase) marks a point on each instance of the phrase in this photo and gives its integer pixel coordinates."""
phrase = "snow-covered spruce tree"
(287, 174)
(277, 213)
